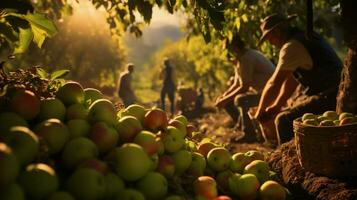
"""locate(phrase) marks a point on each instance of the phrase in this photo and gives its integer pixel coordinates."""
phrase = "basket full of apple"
(327, 144)
(76, 145)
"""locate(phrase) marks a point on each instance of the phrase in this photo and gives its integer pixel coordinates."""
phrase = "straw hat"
(270, 22)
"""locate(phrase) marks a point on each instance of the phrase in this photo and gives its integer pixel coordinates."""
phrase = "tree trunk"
(347, 97)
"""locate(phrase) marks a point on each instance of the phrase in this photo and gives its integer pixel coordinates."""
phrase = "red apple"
(222, 197)
(25, 103)
(104, 136)
(71, 93)
(102, 110)
(147, 141)
(205, 147)
(219, 159)
(272, 190)
(128, 127)
(166, 166)
(38, 181)
(54, 133)
(94, 163)
(206, 187)
(155, 120)
(153, 185)
(348, 120)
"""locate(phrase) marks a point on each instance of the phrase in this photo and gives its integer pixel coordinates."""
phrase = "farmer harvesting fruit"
(252, 70)
(168, 87)
(310, 62)
(125, 91)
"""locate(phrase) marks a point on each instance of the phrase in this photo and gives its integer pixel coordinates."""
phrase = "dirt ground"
(303, 185)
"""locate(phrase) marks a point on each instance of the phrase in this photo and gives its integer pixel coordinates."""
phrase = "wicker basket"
(328, 151)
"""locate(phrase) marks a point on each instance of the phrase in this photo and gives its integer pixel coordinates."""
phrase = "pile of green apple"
(76, 145)
(329, 118)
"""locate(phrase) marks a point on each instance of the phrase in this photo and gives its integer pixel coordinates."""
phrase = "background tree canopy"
(212, 19)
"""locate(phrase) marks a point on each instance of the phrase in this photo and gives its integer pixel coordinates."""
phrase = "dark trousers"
(316, 104)
(238, 110)
(171, 94)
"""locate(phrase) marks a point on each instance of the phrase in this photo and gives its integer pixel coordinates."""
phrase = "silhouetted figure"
(125, 91)
(200, 99)
(168, 87)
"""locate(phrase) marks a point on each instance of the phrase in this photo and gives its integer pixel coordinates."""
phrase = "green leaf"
(244, 17)
(41, 72)
(7, 32)
(41, 27)
(25, 38)
(59, 74)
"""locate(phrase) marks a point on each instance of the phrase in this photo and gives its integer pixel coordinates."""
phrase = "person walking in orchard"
(125, 90)
(168, 85)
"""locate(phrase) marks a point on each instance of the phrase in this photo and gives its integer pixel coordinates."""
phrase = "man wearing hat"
(309, 62)
(252, 70)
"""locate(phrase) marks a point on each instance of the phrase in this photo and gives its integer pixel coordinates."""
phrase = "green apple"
(54, 133)
(25, 103)
(272, 190)
(179, 125)
(222, 179)
(86, 184)
(51, 108)
(76, 111)
(155, 120)
(205, 187)
(254, 155)
(38, 180)
(174, 197)
(130, 161)
(191, 146)
(128, 127)
(205, 147)
(345, 115)
(92, 94)
(166, 166)
(160, 146)
(182, 119)
(239, 161)
(190, 129)
(136, 111)
(247, 187)
(233, 181)
(153, 185)
(77, 151)
(104, 136)
(331, 115)
(327, 123)
(24, 144)
(219, 159)
(78, 128)
(198, 165)
(114, 186)
(172, 139)
(131, 194)
(8, 120)
(259, 168)
(154, 162)
(9, 166)
(147, 141)
(102, 110)
(336, 122)
(308, 116)
(12, 192)
(312, 122)
(182, 160)
(71, 93)
(61, 195)
(321, 118)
